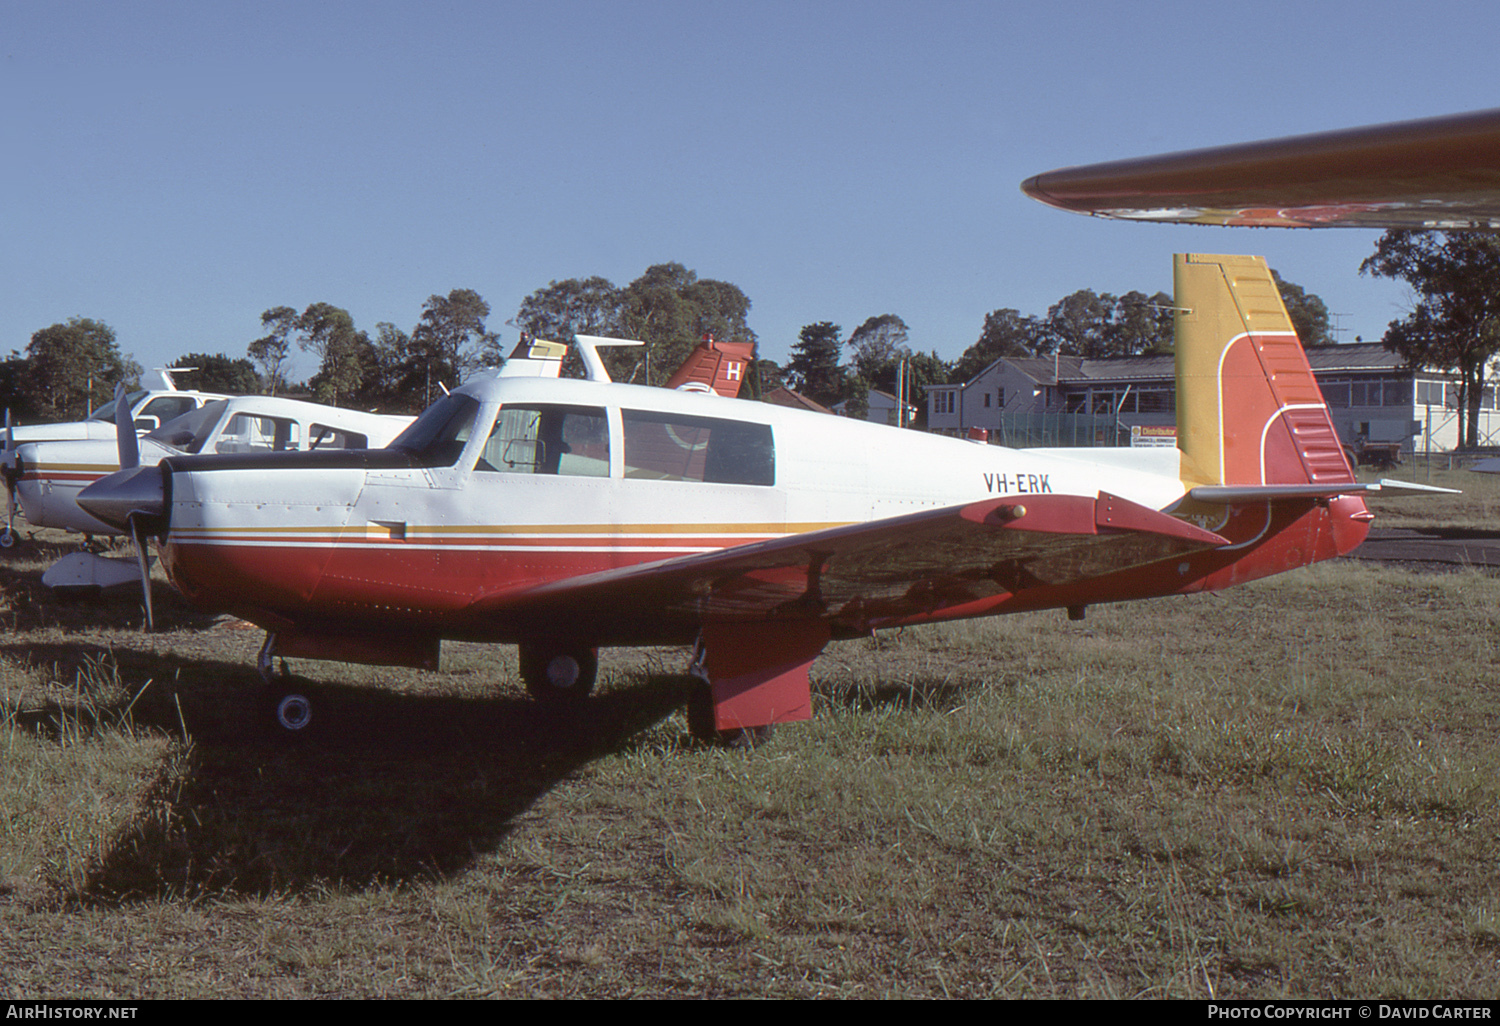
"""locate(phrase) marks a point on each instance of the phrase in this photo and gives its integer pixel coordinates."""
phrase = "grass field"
(1290, 789)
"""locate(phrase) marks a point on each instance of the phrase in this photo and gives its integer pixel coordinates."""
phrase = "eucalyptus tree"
(71, 366)
(1455, 324)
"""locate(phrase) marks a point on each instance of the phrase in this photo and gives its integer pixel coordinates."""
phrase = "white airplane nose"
(139, 492)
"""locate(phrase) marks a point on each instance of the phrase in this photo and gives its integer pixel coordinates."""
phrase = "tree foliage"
(814, 367)
(272, 351)
(668, 307)
(396, 371)
(70, 366)
(1143, 324)
(219, 373)
(1084, 323)
(577, 306)
(445, 345)
(1309, 314)
(1006, 333)
(1455, 325)
(877, 344)
(343, 352)
(1101, 326)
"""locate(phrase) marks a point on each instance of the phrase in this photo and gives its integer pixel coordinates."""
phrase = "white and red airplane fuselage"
(393, 537)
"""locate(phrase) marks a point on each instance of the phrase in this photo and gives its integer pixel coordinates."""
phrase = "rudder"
(1249, 410)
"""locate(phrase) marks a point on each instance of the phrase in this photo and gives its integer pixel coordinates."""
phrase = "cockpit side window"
(166, 407)
(107, 411)
(548, 439)
(437, 437)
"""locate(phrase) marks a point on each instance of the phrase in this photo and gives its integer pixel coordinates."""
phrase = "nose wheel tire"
(559, 674)
(294, 713)
(288, 715)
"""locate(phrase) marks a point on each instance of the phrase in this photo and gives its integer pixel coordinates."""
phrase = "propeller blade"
(138, 538)
(130, 453)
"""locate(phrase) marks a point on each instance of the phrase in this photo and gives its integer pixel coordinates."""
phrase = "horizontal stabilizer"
(86, 570)
(1227, 494)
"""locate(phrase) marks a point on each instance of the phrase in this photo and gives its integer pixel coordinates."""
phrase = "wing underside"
(869, 575)
(1438, 173)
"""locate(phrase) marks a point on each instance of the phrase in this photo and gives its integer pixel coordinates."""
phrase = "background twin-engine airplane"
(565, 515)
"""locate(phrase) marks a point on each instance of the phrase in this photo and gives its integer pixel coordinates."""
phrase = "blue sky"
(174, 169)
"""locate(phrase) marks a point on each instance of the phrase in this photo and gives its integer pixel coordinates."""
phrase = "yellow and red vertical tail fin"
(1260, 458)
(1249, 409)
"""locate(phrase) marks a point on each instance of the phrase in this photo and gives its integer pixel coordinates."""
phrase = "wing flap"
(869, 574)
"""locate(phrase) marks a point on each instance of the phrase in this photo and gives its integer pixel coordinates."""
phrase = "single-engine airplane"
(565, 515)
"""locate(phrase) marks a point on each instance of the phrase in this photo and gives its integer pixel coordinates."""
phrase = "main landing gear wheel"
(7, 539)
(557, 674)
(700, 715)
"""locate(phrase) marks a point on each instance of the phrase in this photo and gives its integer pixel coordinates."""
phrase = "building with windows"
(1068, 400)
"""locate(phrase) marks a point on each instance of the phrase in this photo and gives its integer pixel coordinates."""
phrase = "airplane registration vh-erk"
(566, 515)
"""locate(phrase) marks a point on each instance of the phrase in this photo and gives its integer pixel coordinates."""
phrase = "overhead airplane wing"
(1438, 173)
(860, 575)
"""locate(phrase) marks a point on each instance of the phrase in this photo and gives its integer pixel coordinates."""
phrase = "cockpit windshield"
(107, 411)
(437, 437)
(188, 432)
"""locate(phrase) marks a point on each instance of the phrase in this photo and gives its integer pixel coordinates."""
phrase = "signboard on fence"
(1153, 437)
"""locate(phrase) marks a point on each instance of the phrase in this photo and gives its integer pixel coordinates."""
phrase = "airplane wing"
(1438, 173)
(864, 574)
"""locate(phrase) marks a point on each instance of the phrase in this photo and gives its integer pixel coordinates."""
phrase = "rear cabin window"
(548, 439)
(246, 432)
(674, 447)
(321, 436)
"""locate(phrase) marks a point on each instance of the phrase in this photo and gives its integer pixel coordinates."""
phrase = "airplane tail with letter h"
(1259, 456)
